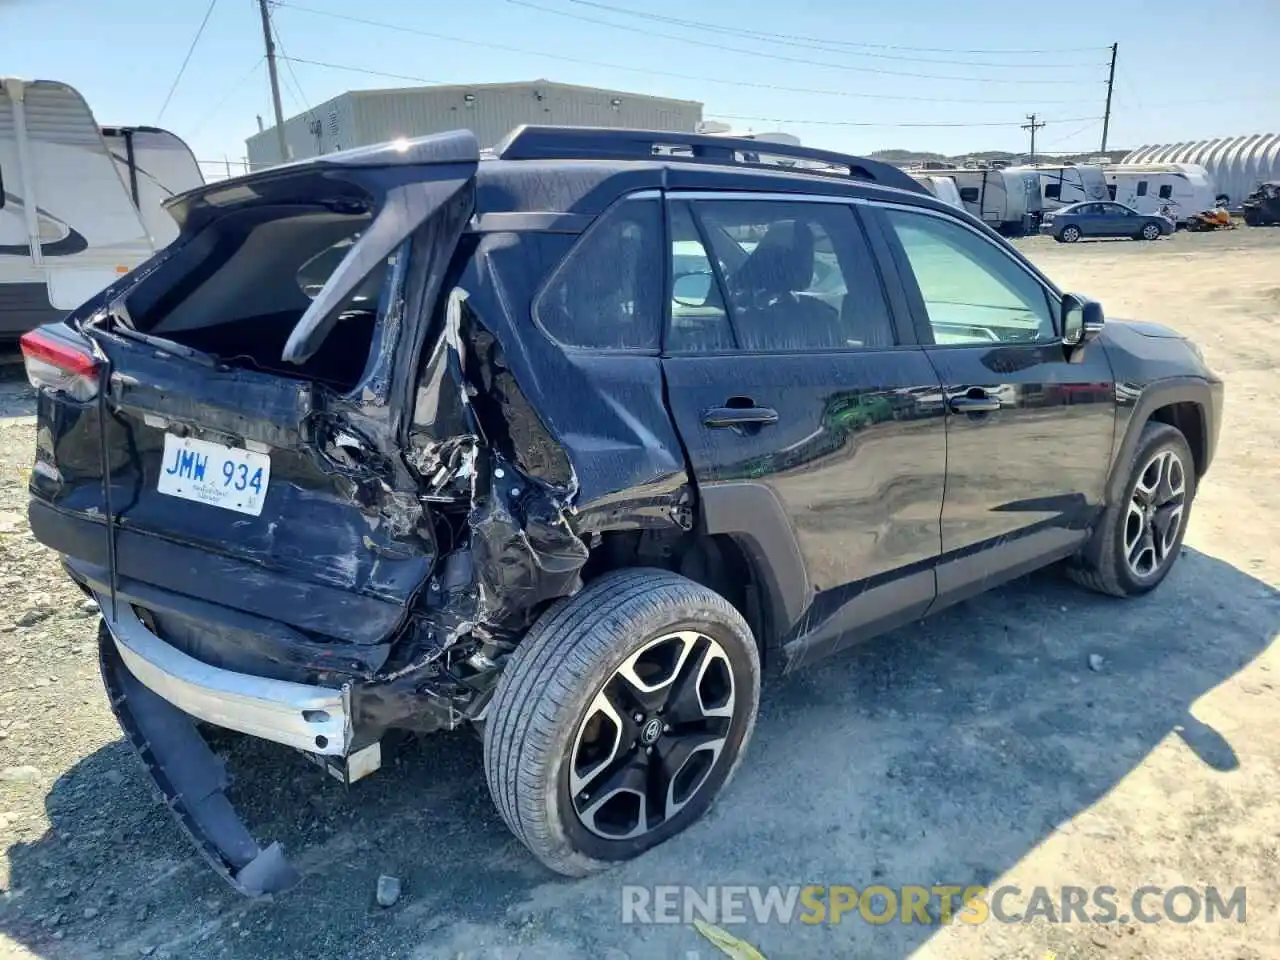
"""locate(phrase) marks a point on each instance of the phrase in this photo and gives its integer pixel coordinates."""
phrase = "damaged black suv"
(566, 443)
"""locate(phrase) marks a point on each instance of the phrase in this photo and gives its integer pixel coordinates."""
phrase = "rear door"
(274, 487)
(1029, 427)
(785, 369)
(1088, 217)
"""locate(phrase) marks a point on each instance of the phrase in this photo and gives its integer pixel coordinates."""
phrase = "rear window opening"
(237, 289)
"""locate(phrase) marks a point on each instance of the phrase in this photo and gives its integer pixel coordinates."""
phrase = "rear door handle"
(739, 416)
(974, 402)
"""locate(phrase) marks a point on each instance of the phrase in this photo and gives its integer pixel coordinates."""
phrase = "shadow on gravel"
(941, 753)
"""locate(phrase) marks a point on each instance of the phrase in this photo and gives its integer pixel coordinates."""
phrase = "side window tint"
(973, 291)
(798, 276)
(608, 293)
(699, 319)
(1142, 188)
(1053, 191)
(969, 194)
(1166, 191)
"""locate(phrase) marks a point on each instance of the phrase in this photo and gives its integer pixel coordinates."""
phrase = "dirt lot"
(976, 748)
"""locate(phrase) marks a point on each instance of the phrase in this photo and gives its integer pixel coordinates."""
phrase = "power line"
(187, 59)
(726, 116)
(1093, 122)
(647, 71)
(372, 73)
(288, 62)
(808, 62)
(762, 35)
(231, 92)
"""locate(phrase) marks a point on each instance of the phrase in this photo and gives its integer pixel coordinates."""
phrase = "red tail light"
(58, 363)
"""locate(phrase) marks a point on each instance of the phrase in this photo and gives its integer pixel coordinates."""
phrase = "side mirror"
(1081, 319)
(691, 289)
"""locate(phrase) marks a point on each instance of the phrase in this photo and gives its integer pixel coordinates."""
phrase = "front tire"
(1070, 234)
(619, 718)
(1139, 537)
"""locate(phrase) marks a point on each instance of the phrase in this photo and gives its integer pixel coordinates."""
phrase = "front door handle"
(975, 401)
(739, 416)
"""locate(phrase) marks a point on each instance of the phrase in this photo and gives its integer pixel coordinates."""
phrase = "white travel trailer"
(68, 222)
(942, 187)
(1179, 190)
(1064, 184)
(1005, 200)
(154, 165)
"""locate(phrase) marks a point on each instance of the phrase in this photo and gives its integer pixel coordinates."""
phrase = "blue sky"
(1186, 69)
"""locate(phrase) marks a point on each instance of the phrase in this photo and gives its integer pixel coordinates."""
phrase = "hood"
(1145, 328)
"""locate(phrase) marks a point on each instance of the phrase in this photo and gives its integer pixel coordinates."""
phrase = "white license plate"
(226, 477)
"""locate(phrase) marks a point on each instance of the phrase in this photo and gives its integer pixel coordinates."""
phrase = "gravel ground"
(979, 747)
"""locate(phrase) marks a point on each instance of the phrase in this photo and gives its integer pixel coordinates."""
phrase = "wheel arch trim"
(1162, 393)
(751, 514)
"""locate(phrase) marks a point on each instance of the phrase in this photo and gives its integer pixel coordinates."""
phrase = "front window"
(973, 292)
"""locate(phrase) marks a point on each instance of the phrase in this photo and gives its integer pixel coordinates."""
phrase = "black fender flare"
(751, 514)
(1161, 393)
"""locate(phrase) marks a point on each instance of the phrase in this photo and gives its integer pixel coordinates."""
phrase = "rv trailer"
(942, 187)
(154, 165)
(1177, 190)
(68, 222)
(1005, 200)
(1061, 185)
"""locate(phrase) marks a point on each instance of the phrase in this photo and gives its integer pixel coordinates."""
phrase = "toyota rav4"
(568, 443)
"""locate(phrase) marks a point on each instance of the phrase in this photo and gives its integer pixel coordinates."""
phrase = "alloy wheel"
(1150, 231)
(1155, 514)
(1071, 234)
(652, 735)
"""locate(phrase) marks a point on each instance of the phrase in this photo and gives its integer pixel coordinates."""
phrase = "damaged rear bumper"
(310, 718)
(191, 779)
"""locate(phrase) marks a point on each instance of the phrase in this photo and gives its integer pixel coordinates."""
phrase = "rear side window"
(607, 295)
(795, 276)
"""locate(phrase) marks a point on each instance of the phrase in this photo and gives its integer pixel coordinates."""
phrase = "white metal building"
(1236, 164)
(490, 110)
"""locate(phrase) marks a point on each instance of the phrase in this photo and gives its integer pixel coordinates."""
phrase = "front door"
(785, 369)
(1029, 425)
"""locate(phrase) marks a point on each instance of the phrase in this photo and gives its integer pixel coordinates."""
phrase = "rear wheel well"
(713, 560)
(1188, 418)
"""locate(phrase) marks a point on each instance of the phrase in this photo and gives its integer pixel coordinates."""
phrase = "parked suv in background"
(567, 444)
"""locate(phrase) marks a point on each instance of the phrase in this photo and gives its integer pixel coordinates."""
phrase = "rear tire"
(1069, 234)
(1150, 232)
(576, 777)
(1138, 539)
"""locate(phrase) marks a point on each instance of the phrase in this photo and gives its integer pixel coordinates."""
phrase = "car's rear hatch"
(246, 391)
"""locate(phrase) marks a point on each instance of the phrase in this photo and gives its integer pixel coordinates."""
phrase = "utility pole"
(1111, 82)
(263, 7)
(1033, 127)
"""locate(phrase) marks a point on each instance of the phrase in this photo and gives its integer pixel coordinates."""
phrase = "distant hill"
(904, 158)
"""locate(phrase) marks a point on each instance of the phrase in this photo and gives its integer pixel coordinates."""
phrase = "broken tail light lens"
(57, 363)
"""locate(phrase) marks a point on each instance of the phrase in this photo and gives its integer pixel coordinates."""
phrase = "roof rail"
(532, 142)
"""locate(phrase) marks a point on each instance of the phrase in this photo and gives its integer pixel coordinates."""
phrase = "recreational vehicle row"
(1176, 190)
(80, 204)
